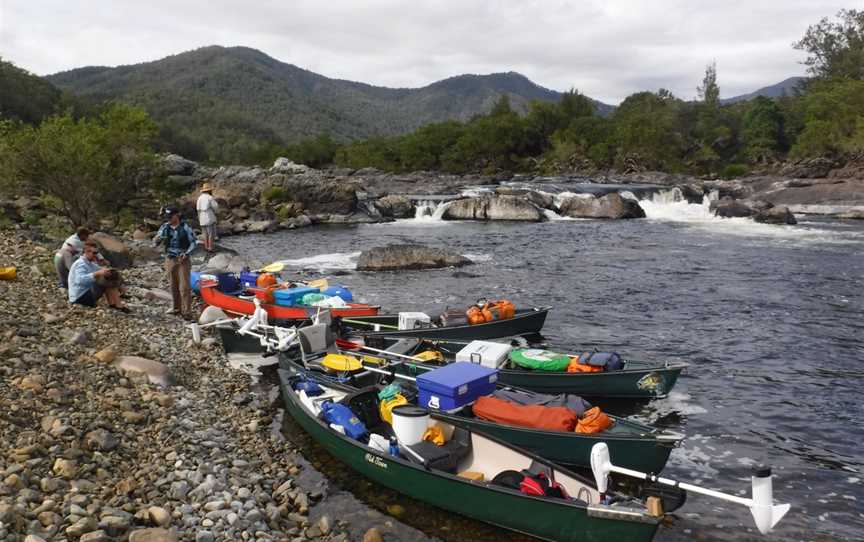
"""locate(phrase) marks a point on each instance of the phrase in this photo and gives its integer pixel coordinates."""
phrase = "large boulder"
(609, 206)
(393, 257)
(775, 215)
(731, 208)
(503, 207)
(174, 164)
(226, 262)
(321, 196)
(540, 199)
(394, 206)
(113, 250)
(285, 165)
(810, 168)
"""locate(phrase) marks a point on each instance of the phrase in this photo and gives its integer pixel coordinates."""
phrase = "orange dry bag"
(593, 421)
(501, 309)
(475, 315)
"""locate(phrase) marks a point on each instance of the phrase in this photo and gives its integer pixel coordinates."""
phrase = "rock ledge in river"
(394, 257)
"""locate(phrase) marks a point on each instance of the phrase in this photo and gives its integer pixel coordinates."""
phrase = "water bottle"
(394, 447)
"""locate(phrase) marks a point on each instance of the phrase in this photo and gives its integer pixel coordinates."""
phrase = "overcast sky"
(608, 49)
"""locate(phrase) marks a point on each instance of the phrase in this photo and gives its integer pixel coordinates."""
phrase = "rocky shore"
(115, 427)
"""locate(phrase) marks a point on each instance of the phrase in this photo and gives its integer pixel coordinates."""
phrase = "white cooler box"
(413, 320)
(486, 353)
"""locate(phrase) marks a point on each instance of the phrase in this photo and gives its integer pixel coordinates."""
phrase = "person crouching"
(89, 281)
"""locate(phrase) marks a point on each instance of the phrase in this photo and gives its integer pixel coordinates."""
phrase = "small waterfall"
(670, 205)
(430, 211)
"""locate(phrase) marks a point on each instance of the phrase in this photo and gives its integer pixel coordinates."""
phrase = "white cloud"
(607, 49)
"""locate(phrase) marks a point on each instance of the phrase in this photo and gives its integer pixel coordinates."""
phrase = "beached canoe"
(232, 304)
(631, 444)
(637, 380)
(582, 517)
(524, 322)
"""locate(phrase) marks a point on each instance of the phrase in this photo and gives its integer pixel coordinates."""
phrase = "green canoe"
(637, 380)
(583, 518)
(631, 444)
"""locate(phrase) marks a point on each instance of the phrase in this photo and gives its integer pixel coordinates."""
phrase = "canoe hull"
(649, 382)
(573, 449)
(544, 518)
(524, 322)
(234, 305)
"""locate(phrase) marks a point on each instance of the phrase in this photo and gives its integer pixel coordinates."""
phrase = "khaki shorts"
(209, 231)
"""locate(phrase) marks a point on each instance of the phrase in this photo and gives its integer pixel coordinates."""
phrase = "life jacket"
(265, 280)
(183, 240)
(575, 366)
(593, 421)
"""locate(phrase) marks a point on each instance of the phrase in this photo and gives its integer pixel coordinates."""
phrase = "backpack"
(530, 483)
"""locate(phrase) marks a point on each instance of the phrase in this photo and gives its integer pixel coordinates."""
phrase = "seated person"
(68, 253)
(88, 281)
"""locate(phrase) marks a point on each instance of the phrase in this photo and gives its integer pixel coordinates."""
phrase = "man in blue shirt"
(88, 281)
(179, 242)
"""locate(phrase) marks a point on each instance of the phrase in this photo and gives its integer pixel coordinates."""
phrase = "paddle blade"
(766, 517)
(274, 267)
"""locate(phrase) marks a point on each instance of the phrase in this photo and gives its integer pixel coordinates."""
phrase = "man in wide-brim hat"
(207, 208)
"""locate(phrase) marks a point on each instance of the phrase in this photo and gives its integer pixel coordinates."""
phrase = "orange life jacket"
(575, 367)
(266, 280)
(501, 309)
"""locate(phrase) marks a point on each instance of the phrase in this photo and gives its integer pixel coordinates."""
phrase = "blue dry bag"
(341, 415)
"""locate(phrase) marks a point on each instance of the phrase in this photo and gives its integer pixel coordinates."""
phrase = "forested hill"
(24, 96)
(220, 103)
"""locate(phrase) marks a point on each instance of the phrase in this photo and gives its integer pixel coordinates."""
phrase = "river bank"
(98, 446)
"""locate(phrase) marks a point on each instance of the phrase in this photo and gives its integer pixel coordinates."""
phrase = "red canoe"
(235, 305)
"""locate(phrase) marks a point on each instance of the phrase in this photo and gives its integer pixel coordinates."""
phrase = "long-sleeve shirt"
(81, 277)
(171, 236)
(207, 207)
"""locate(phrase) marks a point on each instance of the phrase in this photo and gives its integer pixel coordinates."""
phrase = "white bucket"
(409, 424)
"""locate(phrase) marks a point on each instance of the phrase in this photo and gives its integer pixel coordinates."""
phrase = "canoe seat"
(315, 340)
(447, 457)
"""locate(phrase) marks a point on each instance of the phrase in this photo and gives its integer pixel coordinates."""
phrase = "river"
(768, 317)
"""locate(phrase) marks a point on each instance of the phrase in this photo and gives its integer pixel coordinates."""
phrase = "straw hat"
(207, 187)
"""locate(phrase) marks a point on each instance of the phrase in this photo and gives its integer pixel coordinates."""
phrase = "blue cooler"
(455, 385)
(288, 297)
(340, 291)
(249, 279)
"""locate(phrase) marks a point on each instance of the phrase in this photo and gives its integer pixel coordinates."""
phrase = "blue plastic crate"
(455, 385)
(288, 297)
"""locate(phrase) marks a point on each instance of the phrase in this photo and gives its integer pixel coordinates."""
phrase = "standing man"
(207, 208)
(179, 242)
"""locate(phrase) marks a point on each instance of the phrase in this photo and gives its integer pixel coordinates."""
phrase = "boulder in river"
(393, 257)
(609, 206)
(775, 215)
(731, 208)
(503, 207)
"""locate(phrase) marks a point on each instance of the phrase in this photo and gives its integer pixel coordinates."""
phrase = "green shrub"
(275, 194)
(733, 171)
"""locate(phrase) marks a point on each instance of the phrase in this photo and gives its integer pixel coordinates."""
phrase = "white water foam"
(670, 206)
(429, 212)
(324, 262)
(479, 257)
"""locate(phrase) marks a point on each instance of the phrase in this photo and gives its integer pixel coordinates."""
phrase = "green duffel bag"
(540, 360)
